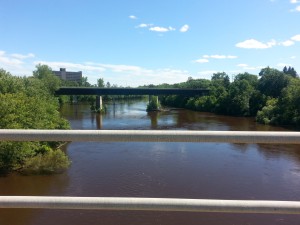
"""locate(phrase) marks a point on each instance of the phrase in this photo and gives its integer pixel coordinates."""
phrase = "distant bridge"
(130, 91)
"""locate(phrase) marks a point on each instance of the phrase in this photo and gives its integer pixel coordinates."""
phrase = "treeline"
(29, 103)
(273, 97)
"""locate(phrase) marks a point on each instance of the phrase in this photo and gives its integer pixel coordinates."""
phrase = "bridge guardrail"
(153, 204)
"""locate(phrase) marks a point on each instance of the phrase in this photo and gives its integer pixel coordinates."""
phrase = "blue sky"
(136, 42)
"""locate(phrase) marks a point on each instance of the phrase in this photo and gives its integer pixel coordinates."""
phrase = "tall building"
(66, 75)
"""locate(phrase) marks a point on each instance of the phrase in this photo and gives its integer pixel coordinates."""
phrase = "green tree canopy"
(27, 103)
(100, 83)
(272, 81)
(49, 79)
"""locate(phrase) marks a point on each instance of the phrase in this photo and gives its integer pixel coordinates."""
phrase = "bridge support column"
(74, 100)
(153, 104)
(154, 99)
(99, 105)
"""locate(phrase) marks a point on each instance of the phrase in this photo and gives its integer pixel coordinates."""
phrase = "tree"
(221, 79)
(26, 103)
(49, 79)
(272, 81)
(239, 95)
(269, 113)
(252, 79)
(290, 71)
(100, 83)
(289, 104)
(84, 82)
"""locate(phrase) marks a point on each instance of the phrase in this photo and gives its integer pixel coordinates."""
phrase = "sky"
(137, 42)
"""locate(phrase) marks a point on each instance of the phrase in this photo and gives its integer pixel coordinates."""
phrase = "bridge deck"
(130, 91)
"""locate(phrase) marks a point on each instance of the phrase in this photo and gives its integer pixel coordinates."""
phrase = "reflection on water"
(176, 170)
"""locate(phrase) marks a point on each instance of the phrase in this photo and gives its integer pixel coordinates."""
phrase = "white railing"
(153, 204)
(151, 136)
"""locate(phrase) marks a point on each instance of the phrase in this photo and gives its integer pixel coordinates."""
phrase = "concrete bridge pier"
(153, 104)
(99, 105)
(154, 99)
(74, 100)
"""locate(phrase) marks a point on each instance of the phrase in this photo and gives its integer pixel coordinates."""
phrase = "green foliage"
(289, 104)
(100, 83)
(19, 111)
(252, 79)
(153, 104)
(13, 154)
(48, 78)
(47, 163)
(221, 79)
(84, 82)
(272, 82)
(239, 95)
(291, 71)
(269, 113)
(256, 102)
(27, 103)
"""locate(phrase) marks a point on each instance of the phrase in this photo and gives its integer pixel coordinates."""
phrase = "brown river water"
(166, 170)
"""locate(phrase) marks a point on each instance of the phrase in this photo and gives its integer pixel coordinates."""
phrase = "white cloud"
(252, 43)
(202, 61)
(144, 25)
(297, 9)
(121, 68)
(293, 57)
(15, 64)
(20, 56)
(122, 74)
(287, 43)
(246, 67)
(231, 57)
(296, 37)
(71, 66)
(162, 29)
(184, 28)
(149, 76)
(242, 65)
(294, 1)
(220, 56)
(132, 17)
(8, 61)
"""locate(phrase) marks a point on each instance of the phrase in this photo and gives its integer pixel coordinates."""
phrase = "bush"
(269, 113)
(53, 161)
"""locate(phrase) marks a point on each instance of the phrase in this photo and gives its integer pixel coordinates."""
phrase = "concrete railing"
(153, 204)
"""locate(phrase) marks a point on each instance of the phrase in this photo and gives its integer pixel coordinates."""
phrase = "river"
(168, 170)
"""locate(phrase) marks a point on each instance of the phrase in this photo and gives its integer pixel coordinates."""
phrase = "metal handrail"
(151, 136)
(151, 204)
